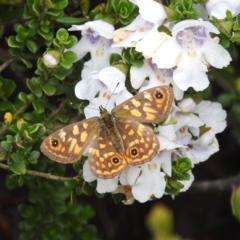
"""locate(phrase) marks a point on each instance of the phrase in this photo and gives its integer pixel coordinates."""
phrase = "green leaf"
(26, 211)
(48, 218)
(7, 146)
(45, 29)
(31, 32)
(26, 62)
(34, 128)
(26, 225)
(175, 184)
(20, 181)
(31, 96)
(18, 165)
(26, 235)
(53, 13)
(62, 35)
(32, 46)
(10, 139)
(12, 42)
(23, 126)
(33, 157)
(84, 5)
(183, 164)
(49, 124)
(40, 130)
(20, 29)
(33, 23)
(47, 36)
(7, 87)
(59, 4)
(71, 184)
(45, 23)
(38, 106)
(38, 92)
(87, 189)
(71, 20)
(23, 97)
(27, 137)
(49, 89)
(67, 59)
(236, 36)
(225, 99)
(59, 72)
(36, 8)
(62, 117)
(20, 38)
(69, 56)
(72, 40)
(235, 203)
(5, 105)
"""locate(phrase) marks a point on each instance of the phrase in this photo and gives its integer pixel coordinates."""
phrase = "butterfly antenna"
(111, 95)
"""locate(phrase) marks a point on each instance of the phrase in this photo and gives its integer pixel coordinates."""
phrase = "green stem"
(41, 174)
(53, 114)
(6, 64)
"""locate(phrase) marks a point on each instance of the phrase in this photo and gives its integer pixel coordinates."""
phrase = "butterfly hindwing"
(68, 144)
(104, 160)
(141, 144)
(150, 106)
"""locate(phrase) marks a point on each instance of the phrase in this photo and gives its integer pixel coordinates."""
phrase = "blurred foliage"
(40, 99)
(160, 223)
(235, 202)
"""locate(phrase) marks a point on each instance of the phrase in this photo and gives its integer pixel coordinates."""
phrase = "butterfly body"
(115, 139)
(109, 123)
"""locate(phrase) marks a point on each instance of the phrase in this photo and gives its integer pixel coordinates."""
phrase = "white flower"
(96, 39)
(109, 84)
(150, 182)
(142, 33)
(187, 105)
(199, 151)
(218, 8)
(156, 77)
(212, 114)
(167, 137)
(191, 49)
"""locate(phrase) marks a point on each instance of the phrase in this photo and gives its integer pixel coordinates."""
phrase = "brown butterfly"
(116, 139)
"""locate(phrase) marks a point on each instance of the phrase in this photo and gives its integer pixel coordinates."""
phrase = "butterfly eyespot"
(55, 142)
(134, 152)
(158, 95)
(115, 160)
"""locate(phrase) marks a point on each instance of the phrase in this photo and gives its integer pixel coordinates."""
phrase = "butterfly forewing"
(68, 144)
(150, 106)
(141, 144)
(104, 160)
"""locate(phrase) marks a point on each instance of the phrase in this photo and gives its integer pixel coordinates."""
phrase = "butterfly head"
(103, 112)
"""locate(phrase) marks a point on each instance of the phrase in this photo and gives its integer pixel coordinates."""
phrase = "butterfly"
(115, 139)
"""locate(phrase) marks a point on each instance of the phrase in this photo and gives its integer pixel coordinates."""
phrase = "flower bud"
(51, 58)
(19, 122)
(8, 117)
(208, 137)
(187, 105)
